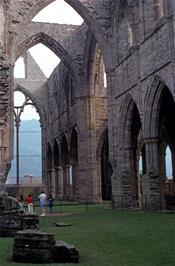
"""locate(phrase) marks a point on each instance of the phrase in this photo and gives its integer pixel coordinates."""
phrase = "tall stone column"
(6, 118)
(88, 184)
(6, 99)
(53, 182)
(66, 182)
(60, 183)
(114, 155)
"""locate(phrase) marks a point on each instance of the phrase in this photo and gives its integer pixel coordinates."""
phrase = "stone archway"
(126, 194)
(54, 46)
(88, 10)
(40, 110)
(159, 132)
(105, 167)
(34, 99)
(106, 171)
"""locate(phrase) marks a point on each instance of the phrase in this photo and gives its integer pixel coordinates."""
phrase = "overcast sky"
(57, 12)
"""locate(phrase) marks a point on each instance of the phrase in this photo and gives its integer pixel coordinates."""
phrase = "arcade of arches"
(98, 142)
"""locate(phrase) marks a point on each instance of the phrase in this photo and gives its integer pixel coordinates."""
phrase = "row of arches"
(63, 167)
(143, 144)
(125, 31)
(148, 135)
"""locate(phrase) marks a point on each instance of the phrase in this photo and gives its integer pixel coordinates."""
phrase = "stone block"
(64, 252)
(33, 247)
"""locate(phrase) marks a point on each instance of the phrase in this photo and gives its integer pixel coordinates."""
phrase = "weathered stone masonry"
(134, 42)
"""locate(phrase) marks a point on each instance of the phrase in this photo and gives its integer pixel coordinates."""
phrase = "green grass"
(107, 237)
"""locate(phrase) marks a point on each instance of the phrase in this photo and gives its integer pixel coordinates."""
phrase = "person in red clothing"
(30, 203)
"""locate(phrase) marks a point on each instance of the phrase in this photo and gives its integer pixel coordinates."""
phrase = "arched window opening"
(59, 12)
(166, 142)
(130, 35)
(136, 141)
(168, 164)
(26, 165)
(42, 54)
(142, 162)
(141, 166)
(106, 171)
(20, 68)
(32, 65)
(56, 160)
(74, 147)
(64, 152)
(70, 175)
(166, 130)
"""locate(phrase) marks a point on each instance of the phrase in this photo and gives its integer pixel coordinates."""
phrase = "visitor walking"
(30, 203)
(42, 199)
(21, 202)
(50, 203)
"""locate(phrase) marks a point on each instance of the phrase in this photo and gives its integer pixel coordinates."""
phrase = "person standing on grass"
(42, 199)
(30, 203)
(21, 202)
(50, 203)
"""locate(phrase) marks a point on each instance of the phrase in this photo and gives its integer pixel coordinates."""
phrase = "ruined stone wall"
(144, 50)
(136, 39)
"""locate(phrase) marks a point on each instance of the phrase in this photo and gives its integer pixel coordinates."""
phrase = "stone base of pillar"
(151, 197)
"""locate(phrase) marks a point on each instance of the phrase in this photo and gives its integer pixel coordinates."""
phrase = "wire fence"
(155, 203)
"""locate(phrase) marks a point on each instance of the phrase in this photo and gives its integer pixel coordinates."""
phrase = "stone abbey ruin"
(97, 133)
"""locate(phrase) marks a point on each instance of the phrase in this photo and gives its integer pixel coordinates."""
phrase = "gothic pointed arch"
(64, 151)
(74, 146)
(129, 112)
(152, 107)
(85, 9)
(53, 45)
(35, 101)
(56, 155)
(129, 128)
(102, 153)
(159, 125)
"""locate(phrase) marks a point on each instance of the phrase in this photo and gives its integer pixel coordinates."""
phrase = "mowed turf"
(107, 237)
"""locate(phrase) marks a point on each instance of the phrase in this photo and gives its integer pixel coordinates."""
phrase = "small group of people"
(42, 199)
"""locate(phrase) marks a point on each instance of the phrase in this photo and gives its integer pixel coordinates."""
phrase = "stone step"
(65, 252)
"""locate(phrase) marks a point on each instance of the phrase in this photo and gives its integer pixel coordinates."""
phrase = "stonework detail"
(133, 42)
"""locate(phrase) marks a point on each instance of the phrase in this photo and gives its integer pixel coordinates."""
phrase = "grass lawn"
(107, 237)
